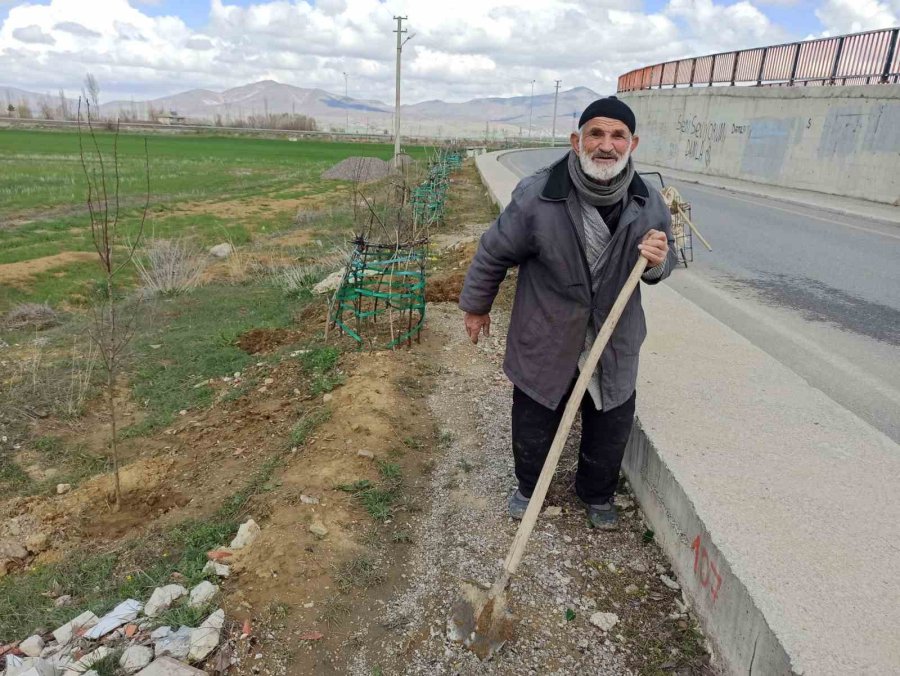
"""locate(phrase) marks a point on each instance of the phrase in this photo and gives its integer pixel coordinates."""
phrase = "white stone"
(246, 535)
(136, 658)
(223, 250)
(63, 600)
(62, 489)
(92, 658)
(65, 633)
(122, 613)
(670, 583)
(366, 454)
(30, 666)
(309, 500)
(160, 632)
(553, 510)
(32, 646)
(333, 281)
(166, 666)
(217, 568)
(202, 594)
(327, 397)
(205, 638)
(318, 528)
(176, 644)
(162, 598)
(604, 621)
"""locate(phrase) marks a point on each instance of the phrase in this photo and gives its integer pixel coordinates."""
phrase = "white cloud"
(33, 34)
(76, 28)
(460, 49)
(853, 16)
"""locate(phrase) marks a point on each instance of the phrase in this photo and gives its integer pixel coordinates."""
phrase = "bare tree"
(92, 87)
(24, 110)
(47, 111)
(113, 327)
(63, 105)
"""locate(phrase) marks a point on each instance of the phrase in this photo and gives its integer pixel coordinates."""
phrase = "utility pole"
(531, 110)
(400, 42)
(555, 97)
(346, 103)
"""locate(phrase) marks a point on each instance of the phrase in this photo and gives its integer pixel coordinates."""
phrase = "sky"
(457, 50)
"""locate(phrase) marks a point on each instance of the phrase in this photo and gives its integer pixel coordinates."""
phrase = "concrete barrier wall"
(836, 140)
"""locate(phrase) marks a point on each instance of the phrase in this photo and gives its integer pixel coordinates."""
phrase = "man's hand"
(475, 324)
(654, 247)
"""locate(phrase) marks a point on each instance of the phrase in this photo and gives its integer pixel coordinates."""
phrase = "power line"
(400, 42)
(555, 98)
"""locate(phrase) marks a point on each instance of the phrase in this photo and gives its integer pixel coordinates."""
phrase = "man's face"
(604, 147)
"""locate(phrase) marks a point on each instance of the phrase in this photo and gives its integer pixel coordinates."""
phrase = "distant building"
(172, 117)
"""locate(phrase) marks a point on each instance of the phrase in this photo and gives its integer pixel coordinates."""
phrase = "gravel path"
(465, 532)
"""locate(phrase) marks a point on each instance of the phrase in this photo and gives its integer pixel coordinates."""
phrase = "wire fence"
(856, 59)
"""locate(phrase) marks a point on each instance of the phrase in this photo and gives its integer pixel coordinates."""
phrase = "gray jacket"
(542, 231)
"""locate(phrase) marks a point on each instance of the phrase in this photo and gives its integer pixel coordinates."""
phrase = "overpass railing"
(859, 58)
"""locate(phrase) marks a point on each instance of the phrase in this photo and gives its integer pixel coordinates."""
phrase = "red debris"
(247, 629)
(130, 630)
(218, 554)
(311, 636)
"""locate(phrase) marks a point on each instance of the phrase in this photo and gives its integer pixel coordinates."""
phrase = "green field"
(43, 195)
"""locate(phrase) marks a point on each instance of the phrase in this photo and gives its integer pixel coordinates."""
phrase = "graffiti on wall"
(701, 137)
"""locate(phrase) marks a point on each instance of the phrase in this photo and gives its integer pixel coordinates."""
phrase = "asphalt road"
(818, 291)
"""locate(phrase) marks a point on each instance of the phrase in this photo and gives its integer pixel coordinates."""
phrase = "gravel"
(465, 533)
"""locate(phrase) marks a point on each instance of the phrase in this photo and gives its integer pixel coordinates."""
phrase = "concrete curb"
(776, 506)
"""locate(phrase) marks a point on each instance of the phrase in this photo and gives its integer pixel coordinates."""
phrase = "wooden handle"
(562, 433)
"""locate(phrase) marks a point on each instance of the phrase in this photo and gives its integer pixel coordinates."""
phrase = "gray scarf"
(599, 194)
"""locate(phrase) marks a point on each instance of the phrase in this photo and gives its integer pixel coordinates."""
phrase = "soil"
(17, 273)
(373, 596)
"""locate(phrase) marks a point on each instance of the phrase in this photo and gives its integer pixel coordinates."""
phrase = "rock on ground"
(223, 250)
(115, 618)
(162, 598)
(177, 644)
(32, 646)
(246, 535)
(166, 666)
(216, 568)
(135, 658)
(205, 638)
(65, 633)
(604, 621)
(202, 594)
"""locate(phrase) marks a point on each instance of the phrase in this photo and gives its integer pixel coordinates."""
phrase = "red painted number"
(705, 569)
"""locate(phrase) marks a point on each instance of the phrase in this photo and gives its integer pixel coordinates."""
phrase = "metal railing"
(860, 58)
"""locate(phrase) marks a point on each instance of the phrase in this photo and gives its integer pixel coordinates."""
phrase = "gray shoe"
(518, 503)
(604, 517)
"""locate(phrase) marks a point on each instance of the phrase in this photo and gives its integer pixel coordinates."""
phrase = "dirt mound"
(258, 341)
(363, 169)
(445, 288)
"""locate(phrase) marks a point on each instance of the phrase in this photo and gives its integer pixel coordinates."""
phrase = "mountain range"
(494, 116)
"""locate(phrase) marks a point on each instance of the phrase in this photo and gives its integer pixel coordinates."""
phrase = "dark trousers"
(603, 438)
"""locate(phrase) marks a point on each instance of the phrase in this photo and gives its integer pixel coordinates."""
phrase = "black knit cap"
(612, 108)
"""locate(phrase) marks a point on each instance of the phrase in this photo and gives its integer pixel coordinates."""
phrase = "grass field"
(210, 189)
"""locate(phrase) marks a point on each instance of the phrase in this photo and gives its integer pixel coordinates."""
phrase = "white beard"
(602, 172)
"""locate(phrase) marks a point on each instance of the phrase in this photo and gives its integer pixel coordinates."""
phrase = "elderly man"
(575, 230)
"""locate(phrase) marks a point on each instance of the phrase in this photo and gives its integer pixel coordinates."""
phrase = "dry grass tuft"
(170, 267)
(36, 316)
